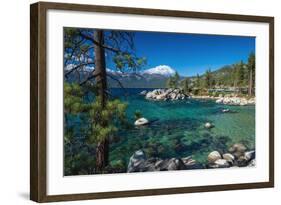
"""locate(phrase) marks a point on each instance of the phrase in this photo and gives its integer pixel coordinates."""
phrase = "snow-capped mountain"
(151, 78)
(164, 70)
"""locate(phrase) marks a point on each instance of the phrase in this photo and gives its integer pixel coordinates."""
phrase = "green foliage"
(73, 101)
(79, 163)
(251, 62)
(105, 119)
(138, 114)
(198, 81)
(128, 60)
(97, 123)
(209, 81)
(173, 81)
(118, 164)
(251, 70)
(240, 75)
(195, 91)
(186, 86)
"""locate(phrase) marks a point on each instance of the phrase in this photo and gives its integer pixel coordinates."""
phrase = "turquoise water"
(177, 128)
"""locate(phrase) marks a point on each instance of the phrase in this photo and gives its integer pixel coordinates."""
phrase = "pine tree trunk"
(100, 67)
(100, 71)
(102, 150)
(250, 83)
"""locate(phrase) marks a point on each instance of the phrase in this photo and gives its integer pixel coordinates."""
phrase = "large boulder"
(149, 95)
(190, 163)
(161, 96)
(237, 150)
(141, 121)
(251, 101)
(165, 94)
(220, 163)
(252, 163)
(137, 162)
(214, 156)
(242, 161)
(234, 100)
(143, 92)
(172, 164)
(245, 160)
(228, 157)
(220, 100)
(187, 160)
(250, 155)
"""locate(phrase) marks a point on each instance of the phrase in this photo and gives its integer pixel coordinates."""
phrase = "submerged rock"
(208, 125)
(141, 121)
(225, 110)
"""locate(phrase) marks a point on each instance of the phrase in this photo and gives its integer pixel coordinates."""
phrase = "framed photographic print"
(134, 102)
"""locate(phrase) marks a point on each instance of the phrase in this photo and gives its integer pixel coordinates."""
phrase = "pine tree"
(173, 81)
(186, 87)
(197, 81)
(96, 115)
(88, 47)
(251, 70)
(208, 79)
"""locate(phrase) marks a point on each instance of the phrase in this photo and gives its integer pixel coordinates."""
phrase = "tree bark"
(100, 72)
(100, 66)
(102, 150)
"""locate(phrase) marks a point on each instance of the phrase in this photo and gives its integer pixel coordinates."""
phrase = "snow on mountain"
(112, 71)
(151, 78)
(164, 70)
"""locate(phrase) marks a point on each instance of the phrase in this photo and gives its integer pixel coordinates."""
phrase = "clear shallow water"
(178, 128)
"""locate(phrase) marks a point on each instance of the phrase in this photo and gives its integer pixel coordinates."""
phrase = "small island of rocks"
(179, 94)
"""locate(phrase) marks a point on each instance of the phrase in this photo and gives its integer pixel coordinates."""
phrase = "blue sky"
(190, 54)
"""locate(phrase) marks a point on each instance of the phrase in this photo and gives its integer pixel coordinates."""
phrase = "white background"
(14, 102)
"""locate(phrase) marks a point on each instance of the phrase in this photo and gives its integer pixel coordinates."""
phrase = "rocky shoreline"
(237, 156)
(178, 94)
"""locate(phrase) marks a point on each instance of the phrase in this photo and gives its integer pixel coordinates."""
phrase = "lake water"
(178, 128)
